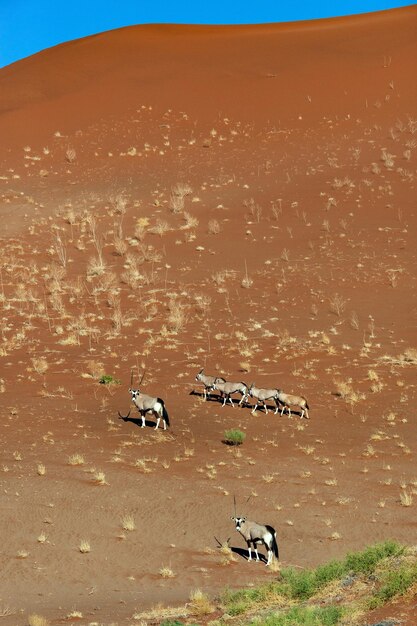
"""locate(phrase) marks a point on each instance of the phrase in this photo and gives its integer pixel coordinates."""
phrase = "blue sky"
(27, 26)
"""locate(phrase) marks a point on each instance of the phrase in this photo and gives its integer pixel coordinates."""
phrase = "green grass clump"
(302, 585)
(304, 616)
(106, 379)
(394, 583)
(234, 437)
(175, 622)
(306, 583)
(365, 562)
(239, 601)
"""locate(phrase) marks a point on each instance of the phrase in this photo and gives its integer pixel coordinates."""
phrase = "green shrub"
(394, 583)
(175, 622)
(365, 562)
(234, 437)
(106, 379)
(302, 585)
(305, 616)
(239, 601)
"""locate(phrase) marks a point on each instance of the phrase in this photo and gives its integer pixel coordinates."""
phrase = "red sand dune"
(258, 74)
(285, 257)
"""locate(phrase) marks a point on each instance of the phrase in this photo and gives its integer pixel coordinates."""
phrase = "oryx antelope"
(227, 389)
(262, 395)
(287, 400)
(208, 382)
(149, 404)
(257, 534)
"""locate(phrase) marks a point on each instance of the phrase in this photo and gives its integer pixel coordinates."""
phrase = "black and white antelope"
(262, 395)
(228, 389)
(208, 382)
(148, 404)
(257, 534)
(287, 400)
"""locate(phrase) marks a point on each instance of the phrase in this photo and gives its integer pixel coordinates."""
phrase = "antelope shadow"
(244, 553)
(210, 398)
(137, 421)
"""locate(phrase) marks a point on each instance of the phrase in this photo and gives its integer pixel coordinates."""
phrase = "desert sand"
(241, 199)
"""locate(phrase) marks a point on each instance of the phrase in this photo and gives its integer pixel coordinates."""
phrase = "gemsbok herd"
(261, 396)
(253, 533)
(148, 404)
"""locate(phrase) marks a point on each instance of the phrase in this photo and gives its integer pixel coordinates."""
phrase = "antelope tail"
(274, 545)
(165, 415)
(307, 407)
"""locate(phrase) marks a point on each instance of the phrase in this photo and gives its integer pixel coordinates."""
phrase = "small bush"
(234, 437)
(106, 379)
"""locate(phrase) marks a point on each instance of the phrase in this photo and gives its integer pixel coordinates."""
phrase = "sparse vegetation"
(234, 437)
(291, 267)
(300, 586)
(107, 379)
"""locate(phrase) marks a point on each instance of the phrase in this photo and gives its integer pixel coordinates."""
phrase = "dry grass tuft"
(274, 566)
(84, 546)
(40, 365)
(128, 522)
(347, 393)
(213, 227)
(337, 304)
(22, 554)
(406, 498)
(41, 469)
(200, 603)
(99, 478)
(74, 615)
(37, 620)
(166, 572)
(227, 555)
(76, 459)
(95, 369)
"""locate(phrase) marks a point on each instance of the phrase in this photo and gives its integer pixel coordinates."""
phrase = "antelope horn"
(234, 502)
(131, 378)
(143, 376)
(123, 417)
(249, 497)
